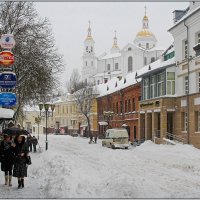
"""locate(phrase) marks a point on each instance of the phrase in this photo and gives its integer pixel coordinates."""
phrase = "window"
(91, 49)
(108, 67)
(197, 38)
(146, 88)
(160, 86)
(91, 63)
(147, 45)
(117, 108)
(133, 104)
(145, 60)
(186, 84)
(171, 83)
(185, 49)
(98, 82)
(129, 49)
(121, 107)
(116, 66)
(130, 64)
(129, 105)
(87, 49)
(85, 63)
(139, 98)
(153, 86)
(198, 81)
(139, 44)
(125, 106)
(153, 59)
(185, 121)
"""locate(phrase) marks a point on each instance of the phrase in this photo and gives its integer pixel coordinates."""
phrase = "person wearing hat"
(20, 166)
(7, 158)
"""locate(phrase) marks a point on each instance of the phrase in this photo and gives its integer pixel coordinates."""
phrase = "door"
(135, 133)
(170, 125)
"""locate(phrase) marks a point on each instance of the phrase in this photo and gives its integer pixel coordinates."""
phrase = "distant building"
(119, 62)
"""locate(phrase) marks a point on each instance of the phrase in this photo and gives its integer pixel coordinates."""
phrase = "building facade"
(186, 33)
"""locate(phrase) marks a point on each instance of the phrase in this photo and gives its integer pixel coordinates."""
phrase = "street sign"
(7, 41)
(6, 58)
(8, 80)
(8, 99)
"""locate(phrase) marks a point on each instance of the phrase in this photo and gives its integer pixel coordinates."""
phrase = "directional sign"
(8, 80)
(8, 99)
(7, 41)
(6, 58)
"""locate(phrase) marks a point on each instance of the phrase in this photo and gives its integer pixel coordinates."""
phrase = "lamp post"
(108, 114)
(46, 108)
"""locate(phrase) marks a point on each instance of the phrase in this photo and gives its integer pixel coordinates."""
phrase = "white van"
(116, 138)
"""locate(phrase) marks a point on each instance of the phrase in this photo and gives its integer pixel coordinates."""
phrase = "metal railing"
(176, 138)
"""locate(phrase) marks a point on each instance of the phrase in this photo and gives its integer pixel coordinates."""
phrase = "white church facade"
(119, 62)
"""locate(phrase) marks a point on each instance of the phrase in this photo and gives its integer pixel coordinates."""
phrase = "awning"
(124, 125)
(103, 123)
(6, 113)
(84, 125)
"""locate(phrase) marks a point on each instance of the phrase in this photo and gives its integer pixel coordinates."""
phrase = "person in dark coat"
(20, 167)
(34, 142)
(95, 138)
(29, 142)
(7, 158)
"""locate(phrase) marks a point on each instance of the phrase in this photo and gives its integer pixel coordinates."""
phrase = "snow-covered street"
(71, 168)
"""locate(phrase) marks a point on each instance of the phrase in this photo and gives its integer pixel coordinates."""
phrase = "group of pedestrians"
(14, 158)
(32, 143)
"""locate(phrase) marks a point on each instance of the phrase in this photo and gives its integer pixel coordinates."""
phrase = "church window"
(152, 59)
(108, 67)
(130, 64)
(145, 60)
(129, 49)
(87, 49)
(116, 66)
(85, 63)
(91, 63)
(147, 45)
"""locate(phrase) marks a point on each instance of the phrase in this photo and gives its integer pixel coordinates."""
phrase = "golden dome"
(89, 37)
(145, 33)
(145, 18)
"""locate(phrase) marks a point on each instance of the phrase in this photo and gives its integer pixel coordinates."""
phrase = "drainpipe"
(188, 93)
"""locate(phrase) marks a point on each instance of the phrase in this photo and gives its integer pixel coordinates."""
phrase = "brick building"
(118, 105)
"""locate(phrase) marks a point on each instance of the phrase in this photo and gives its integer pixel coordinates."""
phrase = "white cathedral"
(119, 62)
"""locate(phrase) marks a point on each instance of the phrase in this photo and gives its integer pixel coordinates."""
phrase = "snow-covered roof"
(188, 14)
(6, 113)
(31, 108)
(112, 55)
(106, 74)
(158, 64)
(115, 84)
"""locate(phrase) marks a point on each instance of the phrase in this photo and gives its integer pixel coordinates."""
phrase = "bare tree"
(37, 63)
(84, 95)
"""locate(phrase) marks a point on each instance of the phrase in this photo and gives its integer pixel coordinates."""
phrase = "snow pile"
(71, 168)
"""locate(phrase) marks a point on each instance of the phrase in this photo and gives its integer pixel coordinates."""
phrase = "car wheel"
(113, 146)
(126, 147)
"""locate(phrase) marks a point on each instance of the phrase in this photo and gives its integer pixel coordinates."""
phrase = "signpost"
(7, 41)
(8, 99)
(6, 58)
(8, 80)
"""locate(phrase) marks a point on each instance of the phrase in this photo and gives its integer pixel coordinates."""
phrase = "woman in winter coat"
(7, 158)
(20, 166)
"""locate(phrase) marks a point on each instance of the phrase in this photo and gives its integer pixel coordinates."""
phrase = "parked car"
(116, 138)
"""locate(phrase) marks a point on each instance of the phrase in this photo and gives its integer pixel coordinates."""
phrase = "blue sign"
(8, 99)
(8, 80)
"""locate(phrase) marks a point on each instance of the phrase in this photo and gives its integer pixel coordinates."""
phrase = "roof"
(157, 65)
(188, 14)
(112, 55)
(108, 74)
(115, 84)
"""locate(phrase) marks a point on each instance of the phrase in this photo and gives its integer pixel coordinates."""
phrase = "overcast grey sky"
(70, 22)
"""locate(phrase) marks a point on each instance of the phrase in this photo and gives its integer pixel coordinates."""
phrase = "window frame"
(171, 84)
(130, 64)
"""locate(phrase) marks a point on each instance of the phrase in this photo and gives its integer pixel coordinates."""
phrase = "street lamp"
(46, 108)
